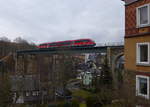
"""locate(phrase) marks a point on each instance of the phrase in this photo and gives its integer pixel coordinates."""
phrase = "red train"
(68, 43)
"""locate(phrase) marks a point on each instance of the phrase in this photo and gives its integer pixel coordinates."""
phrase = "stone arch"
(114, 62)
(117, 57)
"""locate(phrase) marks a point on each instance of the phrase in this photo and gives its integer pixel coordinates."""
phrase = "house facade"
(137, 43)
(87, 78)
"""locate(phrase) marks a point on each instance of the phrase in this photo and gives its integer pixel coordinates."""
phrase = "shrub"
(64, 104)
(92, 101)
(75, 103)
(105, 96)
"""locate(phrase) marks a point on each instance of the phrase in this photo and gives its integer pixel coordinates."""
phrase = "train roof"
(66, 41)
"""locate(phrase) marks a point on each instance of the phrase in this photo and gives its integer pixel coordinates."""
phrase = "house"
(137, 44)
(87, 78)
(26, 88)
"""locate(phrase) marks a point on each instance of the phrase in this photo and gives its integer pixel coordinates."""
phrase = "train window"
(67, 43)
(43, 44)
(81, 41)
(52, 44)
(57, 43)
(64, 43)
(86, 41)
(77, 41)
(61, 43)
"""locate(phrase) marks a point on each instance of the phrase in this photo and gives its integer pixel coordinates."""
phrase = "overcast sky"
(54, 20)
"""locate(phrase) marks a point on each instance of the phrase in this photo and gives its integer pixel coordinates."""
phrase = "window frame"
(138, 62)
(138, 16)
(138, 86)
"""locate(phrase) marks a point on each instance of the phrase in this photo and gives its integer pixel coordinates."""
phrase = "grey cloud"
(54, 20)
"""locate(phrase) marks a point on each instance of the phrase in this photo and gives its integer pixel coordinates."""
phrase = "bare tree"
(20, 40)
(66, 69)
(5, 39)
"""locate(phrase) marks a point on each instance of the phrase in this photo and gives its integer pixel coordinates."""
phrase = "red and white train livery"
(68, 43)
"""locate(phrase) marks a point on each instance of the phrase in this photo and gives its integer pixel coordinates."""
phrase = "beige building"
(137, 43)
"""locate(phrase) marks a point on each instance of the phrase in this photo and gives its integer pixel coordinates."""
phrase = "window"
(27, 94)
(43, 44)
(77, 41)
(82, 41)
(35, 93)
(67, 43)
(64, 43)
(143, 15)
(142, 86)
(142, 54)
(52, 44)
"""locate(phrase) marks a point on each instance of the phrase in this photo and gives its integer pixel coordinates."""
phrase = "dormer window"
(143, 15)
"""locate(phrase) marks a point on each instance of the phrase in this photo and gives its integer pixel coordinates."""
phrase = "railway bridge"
(26, 60)
(37, 66)
(113, 53)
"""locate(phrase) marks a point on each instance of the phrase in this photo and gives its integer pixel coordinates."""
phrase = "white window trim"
(137, 86)
(138, 54)
(138, 16)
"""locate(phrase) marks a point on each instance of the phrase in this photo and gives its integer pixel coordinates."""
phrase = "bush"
(92, 90)
(5, 91)
(93, 102)
(82, 94)
(105, 96)
(64, 104)
(75, 103)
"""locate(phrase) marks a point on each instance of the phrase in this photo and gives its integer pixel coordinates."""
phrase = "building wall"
(133, 35)
(131, 29)
(130, 53)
